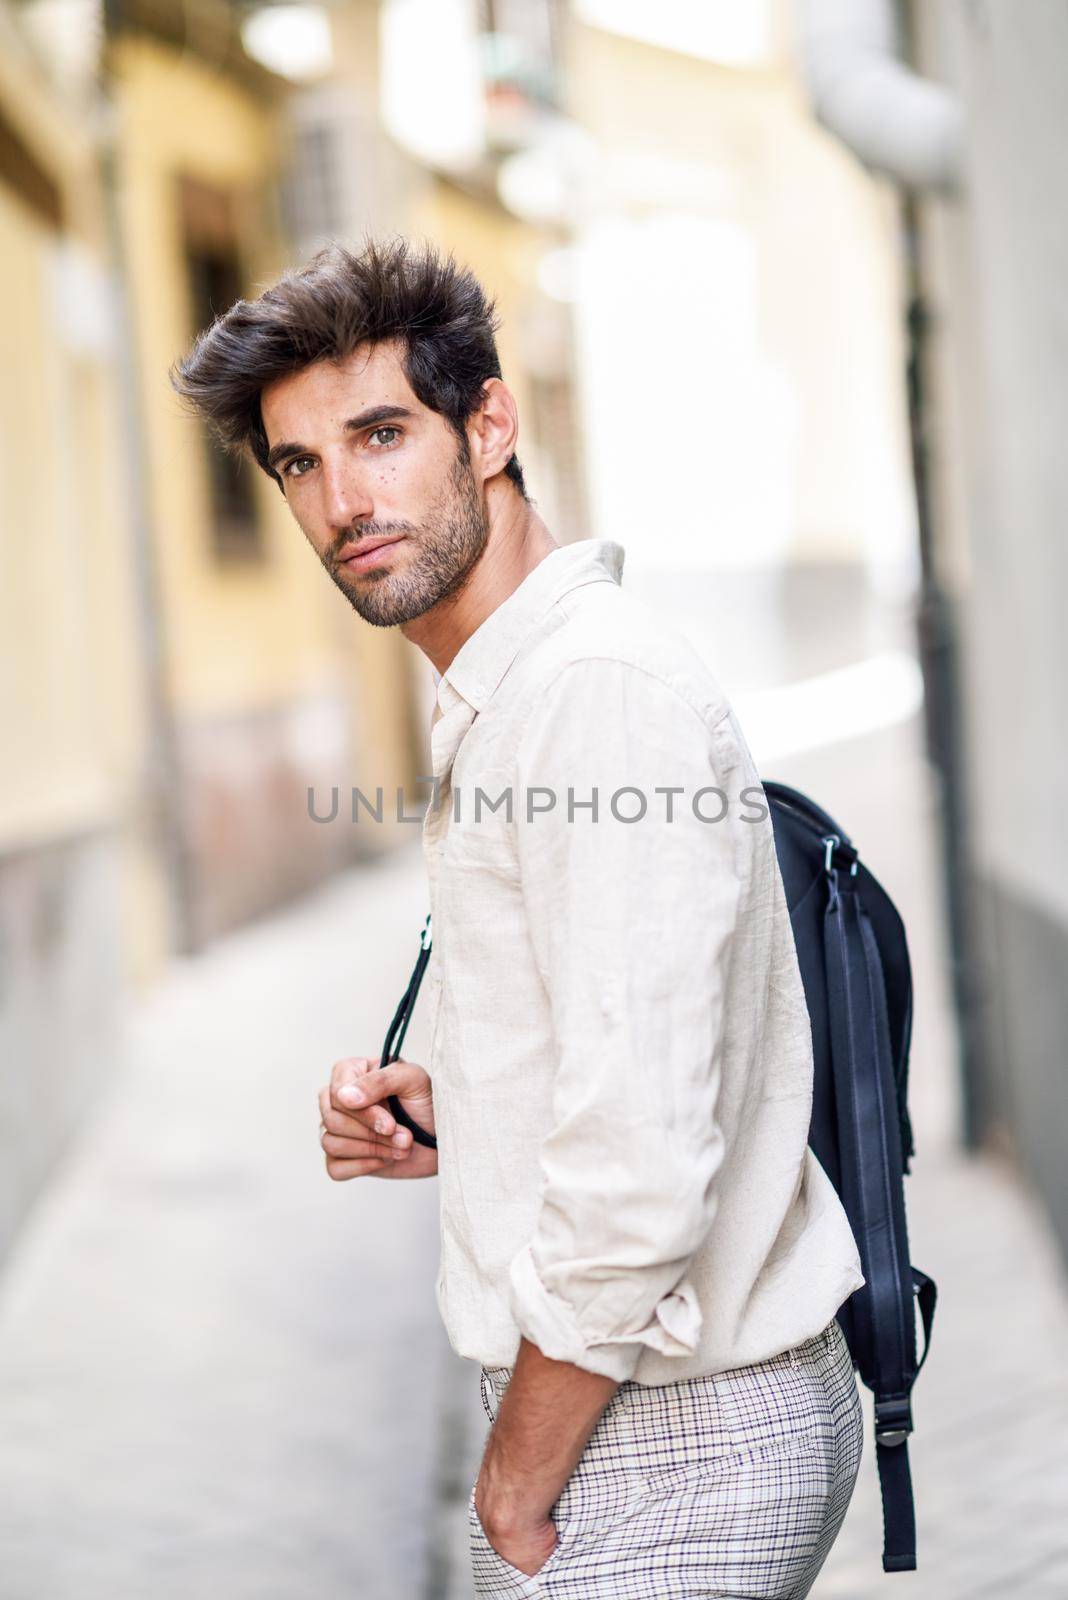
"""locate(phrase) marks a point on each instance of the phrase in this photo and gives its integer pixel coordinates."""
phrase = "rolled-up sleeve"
(631, 923)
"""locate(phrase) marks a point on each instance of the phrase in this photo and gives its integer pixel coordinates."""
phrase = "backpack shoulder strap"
(869, 1142)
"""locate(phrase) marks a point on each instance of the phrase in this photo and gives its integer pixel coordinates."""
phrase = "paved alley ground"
(221, 1375)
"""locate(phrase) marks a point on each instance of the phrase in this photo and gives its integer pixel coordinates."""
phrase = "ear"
(493, 429)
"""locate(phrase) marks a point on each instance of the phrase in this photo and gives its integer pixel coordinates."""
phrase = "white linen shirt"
(620, 1046)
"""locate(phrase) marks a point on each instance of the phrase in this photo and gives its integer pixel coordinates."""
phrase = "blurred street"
(223, 1377)
(221, 1374)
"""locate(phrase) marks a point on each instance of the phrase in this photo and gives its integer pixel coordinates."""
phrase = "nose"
(347, 495)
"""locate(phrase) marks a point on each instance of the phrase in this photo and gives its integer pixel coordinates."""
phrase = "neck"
(517, 541)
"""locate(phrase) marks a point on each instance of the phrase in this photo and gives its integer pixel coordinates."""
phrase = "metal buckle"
(831, 842)
(893, 1421)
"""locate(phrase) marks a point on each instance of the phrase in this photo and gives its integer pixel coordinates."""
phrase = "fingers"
(350, 1090)
(357, 1089)
(358, 1154)
(359, 1134)
(338, 1148)
(363, 1087)
(341, 1119)
(347, 1073)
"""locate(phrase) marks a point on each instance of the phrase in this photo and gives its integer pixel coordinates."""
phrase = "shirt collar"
(482, 661)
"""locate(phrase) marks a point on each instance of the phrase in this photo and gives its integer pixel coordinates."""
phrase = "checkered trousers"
(715, 1488)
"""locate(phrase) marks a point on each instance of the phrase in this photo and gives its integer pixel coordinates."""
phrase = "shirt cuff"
(550, 1323)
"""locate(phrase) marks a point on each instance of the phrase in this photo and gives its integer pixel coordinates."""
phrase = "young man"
(637, 1244)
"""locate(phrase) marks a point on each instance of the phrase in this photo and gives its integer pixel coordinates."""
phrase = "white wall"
(739, 320)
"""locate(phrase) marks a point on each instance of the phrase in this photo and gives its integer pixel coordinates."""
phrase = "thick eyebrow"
(373, 417)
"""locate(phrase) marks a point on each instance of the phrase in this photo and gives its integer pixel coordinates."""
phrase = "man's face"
(381, 485)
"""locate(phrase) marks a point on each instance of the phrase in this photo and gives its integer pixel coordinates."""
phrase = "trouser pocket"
(493, 1574)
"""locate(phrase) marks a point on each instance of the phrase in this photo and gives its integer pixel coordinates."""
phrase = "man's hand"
(526, 1547)
(359, 1136)
(549, 1410)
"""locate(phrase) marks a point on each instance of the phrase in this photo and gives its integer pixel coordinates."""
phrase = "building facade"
(994, 263)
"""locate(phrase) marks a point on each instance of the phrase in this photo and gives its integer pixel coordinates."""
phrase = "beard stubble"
(446, 548)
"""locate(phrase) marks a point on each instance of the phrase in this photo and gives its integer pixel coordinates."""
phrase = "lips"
(359, 554)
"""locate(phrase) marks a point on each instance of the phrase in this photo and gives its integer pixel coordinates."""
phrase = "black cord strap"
(395, 1038)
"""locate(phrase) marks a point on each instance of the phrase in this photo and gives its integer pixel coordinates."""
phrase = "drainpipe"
(161, 777)
(897, 123)
(911, 130)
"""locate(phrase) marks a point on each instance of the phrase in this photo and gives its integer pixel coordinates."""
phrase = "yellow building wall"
(273, 681)
(238, 634)
(69, 699)
(65, 602)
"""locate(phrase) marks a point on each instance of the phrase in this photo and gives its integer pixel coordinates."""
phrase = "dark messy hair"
(391, 290)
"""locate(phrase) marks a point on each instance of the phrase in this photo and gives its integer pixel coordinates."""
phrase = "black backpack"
(854, 965)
